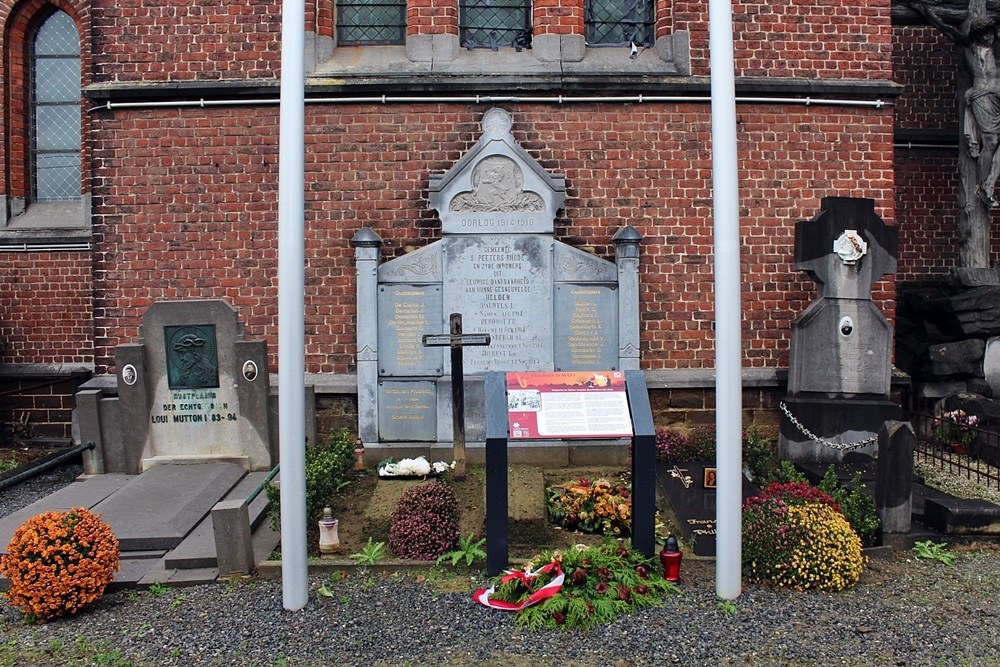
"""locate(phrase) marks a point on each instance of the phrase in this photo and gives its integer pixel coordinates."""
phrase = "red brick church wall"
(185, 199)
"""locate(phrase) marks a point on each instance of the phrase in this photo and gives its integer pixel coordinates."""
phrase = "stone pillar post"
(627, 259)
(894, 477)
(367, 251)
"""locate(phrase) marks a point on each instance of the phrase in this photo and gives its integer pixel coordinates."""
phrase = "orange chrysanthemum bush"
(800, 545)
(59, 562)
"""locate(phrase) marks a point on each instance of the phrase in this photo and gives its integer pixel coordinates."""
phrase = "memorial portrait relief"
(192, 358)
(497, 185)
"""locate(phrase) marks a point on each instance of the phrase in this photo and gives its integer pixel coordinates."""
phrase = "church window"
(619, 22)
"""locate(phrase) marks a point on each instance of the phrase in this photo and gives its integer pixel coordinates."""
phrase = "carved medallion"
(850, 247)
(497, 185)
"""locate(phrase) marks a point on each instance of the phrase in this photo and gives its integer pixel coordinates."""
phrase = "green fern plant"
(468, 550)
(370, 554)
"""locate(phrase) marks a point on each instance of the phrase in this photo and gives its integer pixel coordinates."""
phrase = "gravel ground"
(904, 612)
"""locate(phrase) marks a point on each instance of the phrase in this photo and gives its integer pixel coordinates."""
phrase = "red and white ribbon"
(482, 596)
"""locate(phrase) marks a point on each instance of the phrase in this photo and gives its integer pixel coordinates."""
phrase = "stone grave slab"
(83, 493)
(690, 490)
(160, 507)
(192, 390)
(841, 345)
(407, 410)
(586, 327)
(962, 516)
(198, 547)
(545, 304)
(502, 284)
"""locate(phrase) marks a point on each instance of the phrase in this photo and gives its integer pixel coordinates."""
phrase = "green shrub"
(800, 546)
(327, 471)
(787, 472)
(760, 457)
(424, 524)
(857, 506)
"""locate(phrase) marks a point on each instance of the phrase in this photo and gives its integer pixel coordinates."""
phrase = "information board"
(567, 405)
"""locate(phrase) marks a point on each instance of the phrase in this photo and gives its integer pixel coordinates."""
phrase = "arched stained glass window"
(55, 110)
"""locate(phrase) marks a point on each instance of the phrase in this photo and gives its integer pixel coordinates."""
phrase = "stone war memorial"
(545, 305)
(192, 390)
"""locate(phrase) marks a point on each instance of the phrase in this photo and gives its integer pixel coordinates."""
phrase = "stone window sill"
(48, 223)
(549, 55)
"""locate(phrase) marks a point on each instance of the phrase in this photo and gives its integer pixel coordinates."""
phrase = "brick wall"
(927, 64)
(36, 408)
(45, 308)
(182, 211)
(182, 40)
(799, 38)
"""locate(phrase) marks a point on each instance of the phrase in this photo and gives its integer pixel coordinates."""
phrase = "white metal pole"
(291, 306)
(728, 311)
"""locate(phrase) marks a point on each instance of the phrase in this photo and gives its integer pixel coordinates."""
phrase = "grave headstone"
(192, 390)
(690, 488)
(841, 348)
(546, 305)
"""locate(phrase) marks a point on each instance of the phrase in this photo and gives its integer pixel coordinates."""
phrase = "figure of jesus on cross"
(976, 36)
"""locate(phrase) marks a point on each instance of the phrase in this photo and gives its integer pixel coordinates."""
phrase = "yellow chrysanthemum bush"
(59, 562)
(800, 544)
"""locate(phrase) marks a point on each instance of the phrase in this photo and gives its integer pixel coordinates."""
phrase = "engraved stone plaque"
(856, 362)
(407, 411)
(585, 333)
(192, 356)
(497, 187)
(502, 285)
(407, 312)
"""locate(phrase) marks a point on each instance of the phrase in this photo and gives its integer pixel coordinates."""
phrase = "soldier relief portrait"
(497, 185)
(192, 358)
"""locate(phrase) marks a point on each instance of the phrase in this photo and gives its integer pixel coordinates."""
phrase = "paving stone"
(159, 574)
(131, 571)
(165, 503)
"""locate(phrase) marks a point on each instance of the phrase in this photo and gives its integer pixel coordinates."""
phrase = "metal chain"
(815, 438)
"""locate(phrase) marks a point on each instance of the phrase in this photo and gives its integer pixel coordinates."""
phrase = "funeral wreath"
(580, 587)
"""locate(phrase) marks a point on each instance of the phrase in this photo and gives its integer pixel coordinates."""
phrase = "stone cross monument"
(841, 349)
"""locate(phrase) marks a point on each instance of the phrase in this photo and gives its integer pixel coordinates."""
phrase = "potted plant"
(956, 429)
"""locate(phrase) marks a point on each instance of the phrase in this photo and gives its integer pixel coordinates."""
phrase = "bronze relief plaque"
(192, 356)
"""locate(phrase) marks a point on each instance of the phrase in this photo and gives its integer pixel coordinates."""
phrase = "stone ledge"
(960, 516)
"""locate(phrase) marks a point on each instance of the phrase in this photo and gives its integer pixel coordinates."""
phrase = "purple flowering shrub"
(673, 446)
(424, 524)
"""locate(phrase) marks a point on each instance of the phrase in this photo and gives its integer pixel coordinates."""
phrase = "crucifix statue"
(973, 29)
